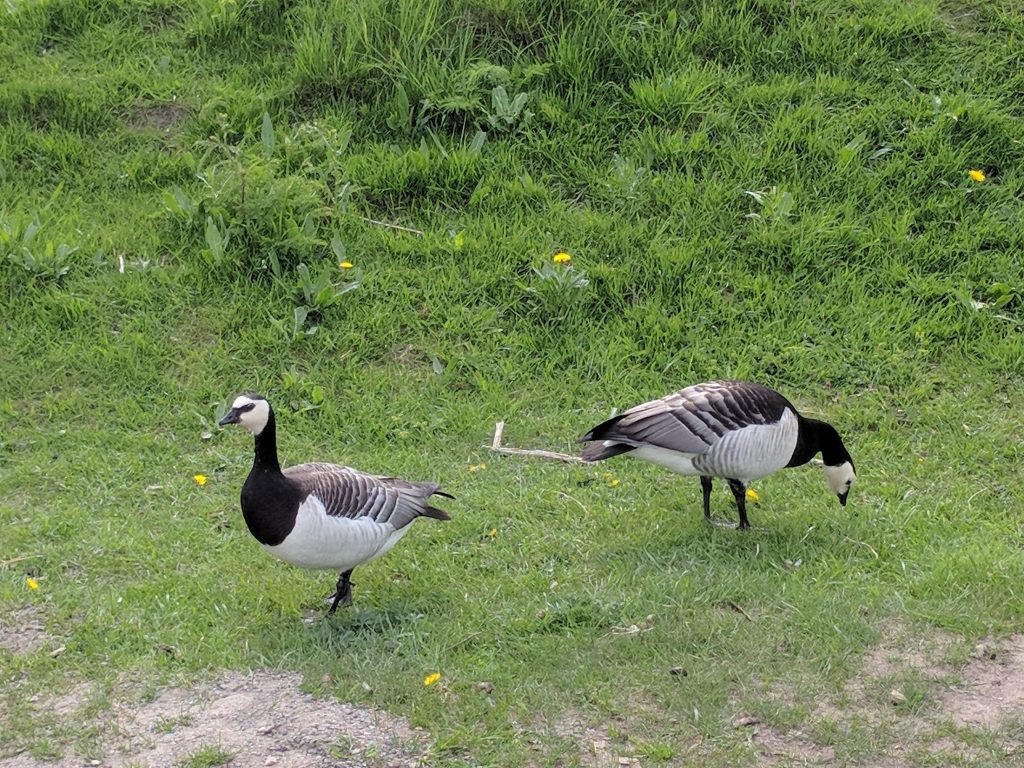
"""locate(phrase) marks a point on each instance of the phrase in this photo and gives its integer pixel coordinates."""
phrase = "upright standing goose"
(322, 516)
(736, 430)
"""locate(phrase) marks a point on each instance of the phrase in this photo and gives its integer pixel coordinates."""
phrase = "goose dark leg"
(343, 591)
(705, 486)
(739, 490)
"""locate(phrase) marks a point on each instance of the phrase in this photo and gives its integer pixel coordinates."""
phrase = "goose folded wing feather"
(667, 427)
(347, 492)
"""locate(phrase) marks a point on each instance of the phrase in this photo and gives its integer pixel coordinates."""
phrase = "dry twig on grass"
(389, 225)
(496, 446)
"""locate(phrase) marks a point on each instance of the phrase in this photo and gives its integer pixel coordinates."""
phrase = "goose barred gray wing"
(347, 492)
(693, 419)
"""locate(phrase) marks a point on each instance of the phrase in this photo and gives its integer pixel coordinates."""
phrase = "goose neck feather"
(270, 501)
(266, 447)
(814, 436)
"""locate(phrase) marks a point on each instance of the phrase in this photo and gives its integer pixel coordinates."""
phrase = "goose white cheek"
(840, 478)
(254, 419)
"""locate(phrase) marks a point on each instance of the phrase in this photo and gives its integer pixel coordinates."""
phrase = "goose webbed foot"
(343, 592)
(741, 501)
(705, 487)
(719, 523)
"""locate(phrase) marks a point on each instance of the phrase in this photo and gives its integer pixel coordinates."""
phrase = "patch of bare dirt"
(903, 657)
(906, 650)
(907, 692)
(261, 719)
(790, 748)
(22, 631)
(159, 117)
(596, 745)
(991, 687)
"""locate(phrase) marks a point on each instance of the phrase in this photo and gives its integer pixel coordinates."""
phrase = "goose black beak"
(231, 417)
(842, 498)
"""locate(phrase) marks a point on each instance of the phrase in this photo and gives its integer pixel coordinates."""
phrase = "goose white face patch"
(840, 478)
(255, 418)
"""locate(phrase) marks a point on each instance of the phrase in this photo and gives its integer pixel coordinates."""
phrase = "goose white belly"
(666, 457)
(743, 454)
(320, 541)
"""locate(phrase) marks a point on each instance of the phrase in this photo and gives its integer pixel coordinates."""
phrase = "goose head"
(251, 411)
(840, 478)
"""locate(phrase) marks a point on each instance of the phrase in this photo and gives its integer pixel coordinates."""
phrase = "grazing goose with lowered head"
(736, 430)
(322, 516)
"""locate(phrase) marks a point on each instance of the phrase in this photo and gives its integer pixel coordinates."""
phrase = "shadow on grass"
(361, 622)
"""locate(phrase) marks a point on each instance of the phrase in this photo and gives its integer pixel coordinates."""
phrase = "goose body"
(322, 516)
(736, 430)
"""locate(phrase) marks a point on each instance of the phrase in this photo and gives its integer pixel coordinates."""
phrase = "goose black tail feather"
(434, 512)
(600, 451)
(600, 432)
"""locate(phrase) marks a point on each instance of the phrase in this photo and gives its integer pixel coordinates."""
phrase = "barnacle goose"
(322, 516)
(736, 430)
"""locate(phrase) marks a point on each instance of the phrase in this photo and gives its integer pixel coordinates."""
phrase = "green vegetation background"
(767, 190)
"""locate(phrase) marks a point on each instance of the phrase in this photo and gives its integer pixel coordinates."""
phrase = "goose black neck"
(266, 446)
(814, 436)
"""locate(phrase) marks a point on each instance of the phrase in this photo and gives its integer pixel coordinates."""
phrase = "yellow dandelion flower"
(345, 264)
(753, 495)
(476, 467)
(431, 678)
(493, 532)
(613, 482)
(562, 257)
(200, 480)
(31, 583)
(977, 175)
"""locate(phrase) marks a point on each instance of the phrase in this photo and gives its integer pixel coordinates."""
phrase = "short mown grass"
(767, 190)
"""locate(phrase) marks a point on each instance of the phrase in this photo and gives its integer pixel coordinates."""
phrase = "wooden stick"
(13, 560)
(541, 455)
(390, 225)
(499, 428)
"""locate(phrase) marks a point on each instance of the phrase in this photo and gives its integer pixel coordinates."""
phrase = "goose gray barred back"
(323, 516)
(736, 430)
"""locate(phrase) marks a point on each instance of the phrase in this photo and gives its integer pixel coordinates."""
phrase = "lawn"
(353, 208)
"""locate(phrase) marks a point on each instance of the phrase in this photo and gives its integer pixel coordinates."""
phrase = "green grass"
(207, 757)
(766, 190)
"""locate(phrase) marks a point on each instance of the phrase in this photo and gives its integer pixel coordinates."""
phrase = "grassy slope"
(851, 289)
